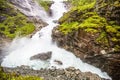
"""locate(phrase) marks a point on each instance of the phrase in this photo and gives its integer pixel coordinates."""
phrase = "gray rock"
(55, 21)
(58, 62)
(42, 56)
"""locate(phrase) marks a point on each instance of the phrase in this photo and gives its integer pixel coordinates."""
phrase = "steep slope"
(12, 22)
(91, 30)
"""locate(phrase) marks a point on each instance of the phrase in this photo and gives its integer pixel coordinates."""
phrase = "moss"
(67, 28)
(15, 23)
(85, 15)
(94, 21)
(13, 76)
(85, 7)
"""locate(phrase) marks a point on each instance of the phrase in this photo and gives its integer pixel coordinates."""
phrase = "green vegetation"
(81, 5)
(72, 20)
(85, 15)
(13, 76)
(45, 4)
(12, 22)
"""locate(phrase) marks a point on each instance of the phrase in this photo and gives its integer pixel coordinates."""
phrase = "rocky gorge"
(81, 43)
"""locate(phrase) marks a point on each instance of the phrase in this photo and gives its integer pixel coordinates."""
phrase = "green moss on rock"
(90, 16)
(12, 22)
(13, 76)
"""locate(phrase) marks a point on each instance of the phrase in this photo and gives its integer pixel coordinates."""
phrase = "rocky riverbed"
(54, 74)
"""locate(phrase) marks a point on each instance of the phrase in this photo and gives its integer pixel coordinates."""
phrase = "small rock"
(71, 69)
(77, 72)
(103, 52)
(58, 62)
(25, 67)
(55, 21)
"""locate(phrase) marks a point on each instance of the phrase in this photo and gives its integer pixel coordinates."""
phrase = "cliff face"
(92, 32)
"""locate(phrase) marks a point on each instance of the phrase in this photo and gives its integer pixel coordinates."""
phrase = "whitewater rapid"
(21, 49)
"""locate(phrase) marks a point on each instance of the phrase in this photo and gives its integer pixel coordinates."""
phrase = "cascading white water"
(22, 49)
(30, 8)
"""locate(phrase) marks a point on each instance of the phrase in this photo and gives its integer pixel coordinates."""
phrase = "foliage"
(15, 23)
(72, 19)
(13, 76)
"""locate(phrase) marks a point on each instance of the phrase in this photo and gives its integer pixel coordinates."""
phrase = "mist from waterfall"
(21, 49)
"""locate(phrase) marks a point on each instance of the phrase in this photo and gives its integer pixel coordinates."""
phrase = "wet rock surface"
(108, 62)
(58, 62)
(42, 56)
(84, 47)
(55, 74)
(3, 43)
(84, 44)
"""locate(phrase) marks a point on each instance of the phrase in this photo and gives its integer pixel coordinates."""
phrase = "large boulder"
(42, 56)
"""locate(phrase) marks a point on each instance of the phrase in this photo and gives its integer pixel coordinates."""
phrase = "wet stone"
(42, 56)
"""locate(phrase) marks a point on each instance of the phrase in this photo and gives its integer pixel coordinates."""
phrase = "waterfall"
(21, 49)
(30, 8)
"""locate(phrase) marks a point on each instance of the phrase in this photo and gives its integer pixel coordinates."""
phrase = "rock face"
(84, 44)
(56, 74)
(84, 47)
(79, 42)
(108, 62)
(28, 8)
(108, 11)
(3, 43)
(42, 56)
